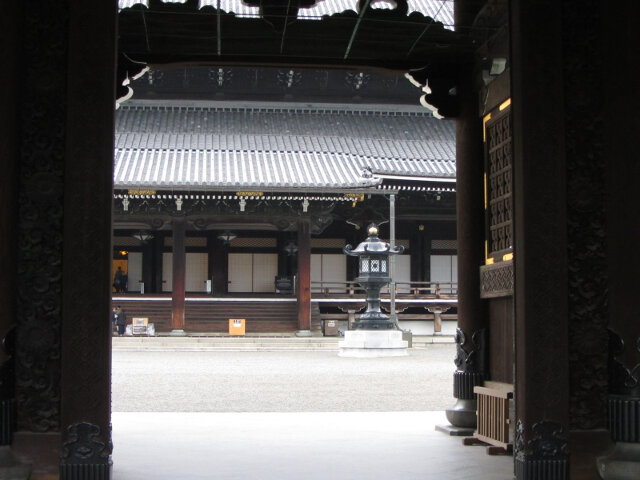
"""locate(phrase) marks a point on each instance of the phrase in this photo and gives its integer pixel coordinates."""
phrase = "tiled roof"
(439, 10)
(200, 148)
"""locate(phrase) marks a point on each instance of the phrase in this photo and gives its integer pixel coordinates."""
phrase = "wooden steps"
(213, 316)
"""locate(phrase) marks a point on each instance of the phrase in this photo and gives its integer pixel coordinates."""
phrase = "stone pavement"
(281, 381)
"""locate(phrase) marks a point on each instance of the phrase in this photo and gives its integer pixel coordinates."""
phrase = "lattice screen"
(499, 184)
(444, 244)
(254, 242)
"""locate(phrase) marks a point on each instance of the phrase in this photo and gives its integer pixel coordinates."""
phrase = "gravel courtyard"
(281, 381)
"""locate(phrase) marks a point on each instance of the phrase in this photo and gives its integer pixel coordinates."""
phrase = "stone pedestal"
(373, 343)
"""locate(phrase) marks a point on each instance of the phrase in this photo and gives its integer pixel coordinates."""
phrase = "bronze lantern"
(373, 268)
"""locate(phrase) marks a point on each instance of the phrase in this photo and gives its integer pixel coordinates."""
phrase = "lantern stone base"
(373, 343)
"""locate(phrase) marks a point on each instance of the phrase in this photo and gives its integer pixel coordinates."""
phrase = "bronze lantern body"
(373, 267)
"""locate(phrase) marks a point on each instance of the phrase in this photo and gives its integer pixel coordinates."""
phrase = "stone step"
(202, 343)
(224, 343)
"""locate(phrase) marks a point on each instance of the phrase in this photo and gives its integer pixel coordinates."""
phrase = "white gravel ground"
(282, 381)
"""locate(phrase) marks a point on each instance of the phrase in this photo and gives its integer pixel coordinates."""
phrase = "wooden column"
(471, 367)
(10, 75)
(283, 259)
(417, 255)
(148, 251)
(178, 276)
(621, 125)
(85, 387)
(218, 264)
(158, 250)
(304, 277)
(540, 245)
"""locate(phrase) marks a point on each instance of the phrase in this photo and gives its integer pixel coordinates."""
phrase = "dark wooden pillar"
(218, 264)
(417, 253)
(148, 252)
(179, 276)
(158, 250)
(85, 389)
(621, 125)
(426, 238)
(304, 277)
(283, 258)
(471, 337)
(540, 245)
(10, 75)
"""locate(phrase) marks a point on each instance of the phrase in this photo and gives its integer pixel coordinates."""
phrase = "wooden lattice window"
(498, 171)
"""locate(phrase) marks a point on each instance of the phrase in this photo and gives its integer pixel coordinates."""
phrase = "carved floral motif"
(473, 360)
(546, 442)
(586, 237)
(83, 448)
(39, 262)
(623, 380)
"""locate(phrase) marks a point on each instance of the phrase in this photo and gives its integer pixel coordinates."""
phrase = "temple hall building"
(263, 196)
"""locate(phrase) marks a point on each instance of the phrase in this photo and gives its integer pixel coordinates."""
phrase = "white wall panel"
(316, 267)
(454, 268)
(134, 271)
(403, 272)
(334, 268)
(240, 272)
(265, 269)
(442, 268)
(167, 271)
(197, 270)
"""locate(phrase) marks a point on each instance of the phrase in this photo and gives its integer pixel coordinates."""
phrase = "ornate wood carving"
(496, 280)
(623, 379)
(84, 455)
(40, 217)
(471, 363)
(88, 193)
(588, 280)
(544, 456)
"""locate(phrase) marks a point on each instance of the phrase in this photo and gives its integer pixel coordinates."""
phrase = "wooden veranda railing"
(435, 290)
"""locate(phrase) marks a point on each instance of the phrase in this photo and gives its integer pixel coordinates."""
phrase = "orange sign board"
(237, 326)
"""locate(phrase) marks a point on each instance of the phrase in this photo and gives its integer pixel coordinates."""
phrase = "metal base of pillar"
(463, 413)
(86, 471)
(541, 469)
(178, 333)
(455, 431)
(304, 333)
(11, 468)
(621, 463)
(7, 421)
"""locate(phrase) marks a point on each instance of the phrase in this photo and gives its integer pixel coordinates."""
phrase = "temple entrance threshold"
(287, 446)
(288, 414)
